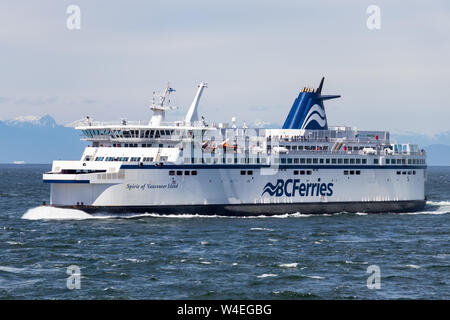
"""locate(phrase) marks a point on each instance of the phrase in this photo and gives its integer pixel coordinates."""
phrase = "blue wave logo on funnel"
(308, 111)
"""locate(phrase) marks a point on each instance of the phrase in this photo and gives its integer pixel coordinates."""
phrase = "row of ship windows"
(358, 172)
(309, 148)
(322, 160)
(126, 159)
(129, 133)
(302, 172)
(296, 172)
(135, 145)
(352, 172)
(403, 161)
(276, 160)
(225, 160)
(322, 148)
(290, 148)
(243, 172)
(304, 160)
(346, 161)
(413, 172)
(144, 133)
(180, 173)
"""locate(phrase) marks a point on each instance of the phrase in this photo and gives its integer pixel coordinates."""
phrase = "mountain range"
(35, 139)
(38, 140)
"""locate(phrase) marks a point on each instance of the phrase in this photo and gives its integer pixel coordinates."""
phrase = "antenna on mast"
(159, 109)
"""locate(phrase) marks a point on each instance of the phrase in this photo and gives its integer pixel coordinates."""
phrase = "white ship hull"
(218, 190)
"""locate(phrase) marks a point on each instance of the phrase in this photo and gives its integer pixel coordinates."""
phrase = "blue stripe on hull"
(66, 181)
(259, 166)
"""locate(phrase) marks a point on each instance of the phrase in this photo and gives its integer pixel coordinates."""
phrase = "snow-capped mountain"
(26, 121)
(36, 139)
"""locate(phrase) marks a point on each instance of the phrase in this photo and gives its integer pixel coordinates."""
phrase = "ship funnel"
(308, 111)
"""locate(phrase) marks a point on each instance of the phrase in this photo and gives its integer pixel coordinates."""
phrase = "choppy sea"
(196, 257)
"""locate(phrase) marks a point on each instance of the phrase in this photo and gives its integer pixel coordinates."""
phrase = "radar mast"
(160, 105)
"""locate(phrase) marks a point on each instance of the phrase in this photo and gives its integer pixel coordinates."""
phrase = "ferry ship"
(195, 167)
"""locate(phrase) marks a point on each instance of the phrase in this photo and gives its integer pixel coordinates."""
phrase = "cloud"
(36, 101)
(89, 101)
(252, 53)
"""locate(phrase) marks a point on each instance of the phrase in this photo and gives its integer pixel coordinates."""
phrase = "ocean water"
(193, 257)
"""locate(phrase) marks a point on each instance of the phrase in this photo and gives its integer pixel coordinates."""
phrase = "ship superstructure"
(191, 166)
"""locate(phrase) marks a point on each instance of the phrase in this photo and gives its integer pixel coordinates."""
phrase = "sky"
(255, 56)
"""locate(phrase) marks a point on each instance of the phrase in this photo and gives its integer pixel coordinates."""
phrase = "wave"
(289, 265)
(181, 215)
(11, 269)
(135, 260)
(261, 229)
(14, 243)
(52, 213)
(433, 207)
(277, 216)
(425, 213)
(436, 207)
(267, 275)
(438, 203)
(315, 277)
